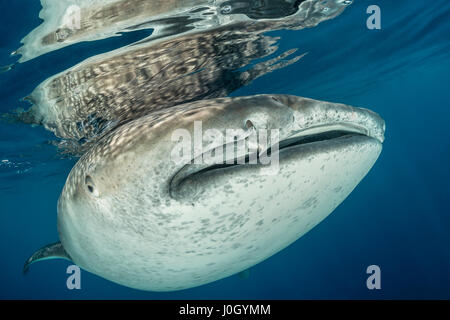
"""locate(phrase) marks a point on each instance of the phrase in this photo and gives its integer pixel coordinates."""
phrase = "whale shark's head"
(143, 207)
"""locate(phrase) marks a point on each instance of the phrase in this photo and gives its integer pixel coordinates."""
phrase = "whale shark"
(130, 214)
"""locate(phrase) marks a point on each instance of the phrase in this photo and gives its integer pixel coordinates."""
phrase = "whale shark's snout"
(133, 214)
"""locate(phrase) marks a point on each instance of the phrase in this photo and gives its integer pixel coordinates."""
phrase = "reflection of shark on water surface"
(131, 215)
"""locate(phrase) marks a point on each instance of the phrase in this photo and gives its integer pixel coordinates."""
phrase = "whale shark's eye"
(90, 186)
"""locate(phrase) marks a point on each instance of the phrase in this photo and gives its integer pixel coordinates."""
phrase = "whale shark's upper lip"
(346, 128)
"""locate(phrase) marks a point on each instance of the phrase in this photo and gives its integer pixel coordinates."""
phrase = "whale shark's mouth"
(313, 138)
(313, 135)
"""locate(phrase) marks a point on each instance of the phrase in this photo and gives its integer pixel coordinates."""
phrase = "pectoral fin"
(51, 251)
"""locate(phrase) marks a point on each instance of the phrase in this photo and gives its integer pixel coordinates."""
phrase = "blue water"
(397, 218)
